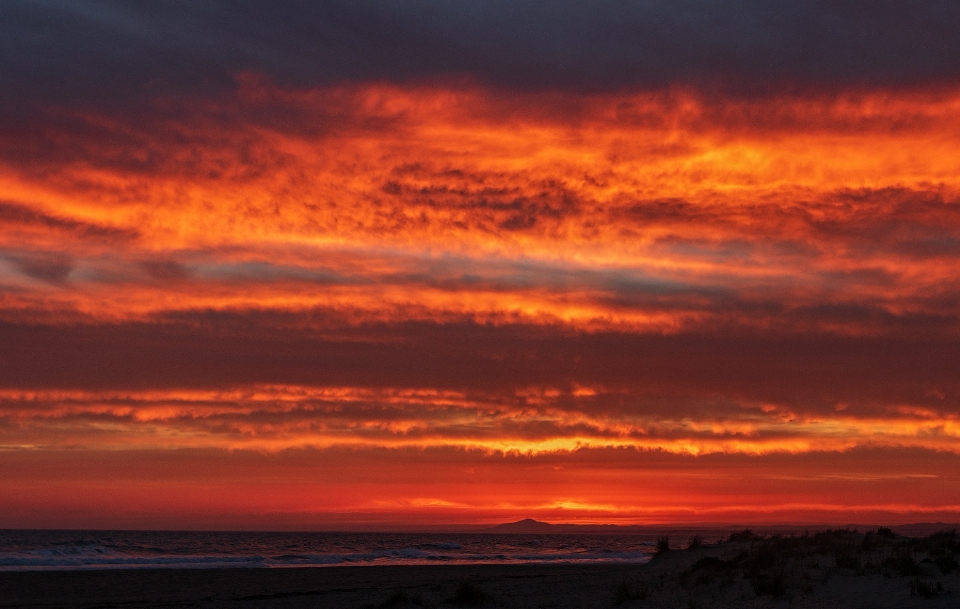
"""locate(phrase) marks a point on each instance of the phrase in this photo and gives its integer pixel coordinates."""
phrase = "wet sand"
(668, 581)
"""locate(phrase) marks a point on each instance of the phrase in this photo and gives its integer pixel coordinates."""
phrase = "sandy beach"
(757, 573)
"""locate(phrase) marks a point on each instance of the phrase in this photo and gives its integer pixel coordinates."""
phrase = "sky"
(371, 264)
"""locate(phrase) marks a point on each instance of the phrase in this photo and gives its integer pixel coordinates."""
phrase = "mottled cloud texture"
(347, 264)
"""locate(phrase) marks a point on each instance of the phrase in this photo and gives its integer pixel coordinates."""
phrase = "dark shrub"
(942, 543)
(743, 536)
(695, 542)
(886, 533)
(947, 535)
(663, 545)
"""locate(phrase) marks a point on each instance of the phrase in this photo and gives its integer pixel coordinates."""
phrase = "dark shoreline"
(836, 568)
(339, 586)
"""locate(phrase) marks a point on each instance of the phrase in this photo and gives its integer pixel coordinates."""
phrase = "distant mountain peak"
(527, 525)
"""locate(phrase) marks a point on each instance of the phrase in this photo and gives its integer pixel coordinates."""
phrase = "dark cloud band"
(97, 51)
(220, 350)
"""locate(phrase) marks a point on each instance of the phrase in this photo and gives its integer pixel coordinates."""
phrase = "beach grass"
(748, 569)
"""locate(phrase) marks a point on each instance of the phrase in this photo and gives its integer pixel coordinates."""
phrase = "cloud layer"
(364, 240)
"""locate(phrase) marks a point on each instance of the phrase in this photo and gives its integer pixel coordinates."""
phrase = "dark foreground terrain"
(838, 568)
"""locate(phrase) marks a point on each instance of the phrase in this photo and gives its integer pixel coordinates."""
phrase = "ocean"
(22, 550)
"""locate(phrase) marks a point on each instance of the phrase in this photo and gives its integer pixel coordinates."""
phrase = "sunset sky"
(382, 263)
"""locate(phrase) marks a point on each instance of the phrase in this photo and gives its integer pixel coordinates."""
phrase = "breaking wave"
(66, 550)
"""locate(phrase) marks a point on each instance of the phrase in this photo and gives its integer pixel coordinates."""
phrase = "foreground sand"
(672, 580)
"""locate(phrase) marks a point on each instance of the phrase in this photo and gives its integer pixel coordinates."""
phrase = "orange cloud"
(273, 418)
(459, 270)
(645, 212)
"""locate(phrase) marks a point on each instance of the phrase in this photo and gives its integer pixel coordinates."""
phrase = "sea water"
(74, 550)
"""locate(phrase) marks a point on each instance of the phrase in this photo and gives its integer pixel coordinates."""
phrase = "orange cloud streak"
(381, 185)
(280, 418)
(303, 212)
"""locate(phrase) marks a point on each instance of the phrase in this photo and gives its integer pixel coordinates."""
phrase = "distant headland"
(537, 527)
